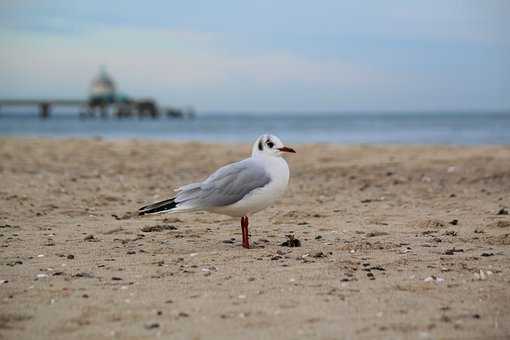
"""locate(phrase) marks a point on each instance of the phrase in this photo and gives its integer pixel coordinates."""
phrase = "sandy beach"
(397, 242)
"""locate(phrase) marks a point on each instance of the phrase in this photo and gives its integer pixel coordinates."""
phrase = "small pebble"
(503, 211)
(84, 275)
(151, 325)
(482, 276)
(453, 251)
(90, 238)
(433, 278)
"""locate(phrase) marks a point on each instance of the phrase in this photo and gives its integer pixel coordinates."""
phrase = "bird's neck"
(269, 159)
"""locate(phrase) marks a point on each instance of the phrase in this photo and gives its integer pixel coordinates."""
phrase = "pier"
(98, 108)
(104, 101)
(44, 105)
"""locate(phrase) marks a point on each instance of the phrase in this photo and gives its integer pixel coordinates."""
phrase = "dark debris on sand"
(503, 211)
(125, 216)
(291, 242)
(377, 233)
(90, 238)
(151, 325)
(453, 251)
(158, 228)
(84, 275)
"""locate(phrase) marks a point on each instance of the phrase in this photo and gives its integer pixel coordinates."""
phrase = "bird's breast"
(279, 172)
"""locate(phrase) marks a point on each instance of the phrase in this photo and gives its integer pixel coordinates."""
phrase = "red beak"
(286, 149)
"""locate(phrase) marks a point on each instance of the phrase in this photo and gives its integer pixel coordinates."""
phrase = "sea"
(454, 128)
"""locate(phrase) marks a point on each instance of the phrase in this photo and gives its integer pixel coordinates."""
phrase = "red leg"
(244, 228)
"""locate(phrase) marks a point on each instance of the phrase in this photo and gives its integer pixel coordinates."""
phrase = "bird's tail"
(157, 207)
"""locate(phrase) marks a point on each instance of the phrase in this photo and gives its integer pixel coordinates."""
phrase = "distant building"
(104, 99)
(102, 85)
(103, 90)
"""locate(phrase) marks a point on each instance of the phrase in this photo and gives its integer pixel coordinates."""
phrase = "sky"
(264, 56)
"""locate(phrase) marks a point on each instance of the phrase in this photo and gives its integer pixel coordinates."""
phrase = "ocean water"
(346, 128)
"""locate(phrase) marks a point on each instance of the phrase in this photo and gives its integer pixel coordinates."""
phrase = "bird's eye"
(270, 144)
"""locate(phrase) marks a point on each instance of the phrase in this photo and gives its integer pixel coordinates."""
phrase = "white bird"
(239, 189)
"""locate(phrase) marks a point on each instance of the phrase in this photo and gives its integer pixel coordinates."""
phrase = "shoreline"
(23, 138)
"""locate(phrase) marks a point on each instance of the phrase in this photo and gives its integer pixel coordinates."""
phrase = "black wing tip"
(157, 207)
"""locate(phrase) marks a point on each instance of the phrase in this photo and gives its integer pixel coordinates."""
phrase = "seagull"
(238, 189)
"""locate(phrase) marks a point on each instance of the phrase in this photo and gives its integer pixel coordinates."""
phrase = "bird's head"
(270, 145)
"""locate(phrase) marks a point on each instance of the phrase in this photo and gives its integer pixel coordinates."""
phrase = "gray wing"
(226, 186)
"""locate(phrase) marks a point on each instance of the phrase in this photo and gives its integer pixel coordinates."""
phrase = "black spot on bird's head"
(268, 145)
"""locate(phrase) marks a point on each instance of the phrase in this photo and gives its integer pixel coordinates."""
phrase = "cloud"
(144, 60)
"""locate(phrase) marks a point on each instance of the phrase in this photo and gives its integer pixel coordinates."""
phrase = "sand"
(397, 242)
